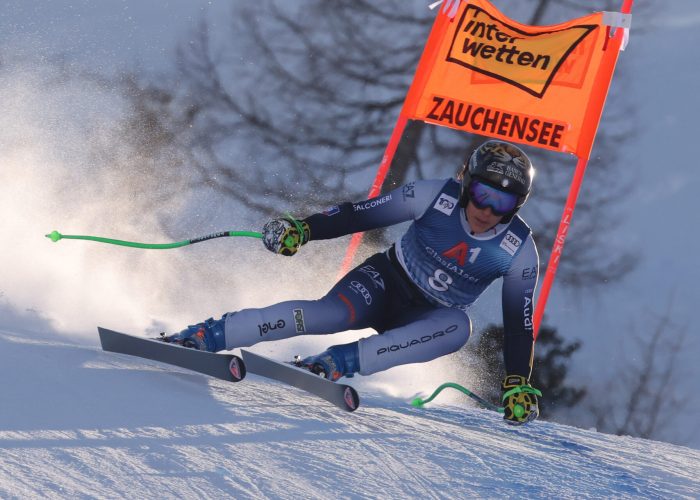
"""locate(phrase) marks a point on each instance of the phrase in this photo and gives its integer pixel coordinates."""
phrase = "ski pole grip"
(54, 236)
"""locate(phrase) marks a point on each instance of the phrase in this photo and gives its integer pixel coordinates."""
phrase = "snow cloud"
(63, 167)
(66, 166)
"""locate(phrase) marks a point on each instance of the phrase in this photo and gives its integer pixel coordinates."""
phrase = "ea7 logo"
(529, 273)
(377, 279)
(445, 204)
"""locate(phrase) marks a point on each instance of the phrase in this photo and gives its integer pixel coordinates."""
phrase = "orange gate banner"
(544, 86)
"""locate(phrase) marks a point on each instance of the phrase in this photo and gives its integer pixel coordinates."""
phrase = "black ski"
(222, 366)
(341, 395)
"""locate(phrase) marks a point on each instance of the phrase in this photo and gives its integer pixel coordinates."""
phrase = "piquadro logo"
(417, 341)
(528, 60)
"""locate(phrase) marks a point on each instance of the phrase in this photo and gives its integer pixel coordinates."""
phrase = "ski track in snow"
(78, 422)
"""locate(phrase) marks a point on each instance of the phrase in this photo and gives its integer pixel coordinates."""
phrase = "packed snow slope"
(79, 422)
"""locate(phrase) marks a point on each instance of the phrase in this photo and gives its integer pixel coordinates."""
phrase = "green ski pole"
(56, 236)
(418, 402)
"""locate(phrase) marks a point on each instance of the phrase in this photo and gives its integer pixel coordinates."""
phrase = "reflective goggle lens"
(483, 195)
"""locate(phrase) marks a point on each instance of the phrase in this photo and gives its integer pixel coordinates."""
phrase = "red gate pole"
(376, 187)
(426, 61)
(558, 246)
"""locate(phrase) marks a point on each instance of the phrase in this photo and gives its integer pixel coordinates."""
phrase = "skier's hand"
(519, 400)
(285, 235)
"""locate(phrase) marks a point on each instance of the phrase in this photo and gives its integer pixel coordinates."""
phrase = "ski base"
(222, 366)
(341, 395)
(229, 367)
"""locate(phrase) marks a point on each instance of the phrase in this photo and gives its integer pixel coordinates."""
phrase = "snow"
(79, 422)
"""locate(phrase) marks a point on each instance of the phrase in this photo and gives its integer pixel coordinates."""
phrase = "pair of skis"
(229, 366)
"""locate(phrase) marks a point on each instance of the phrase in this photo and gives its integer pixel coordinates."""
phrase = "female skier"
(465, 234)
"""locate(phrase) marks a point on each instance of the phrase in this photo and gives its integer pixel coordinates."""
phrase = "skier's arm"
(518, 292)
(405, 203)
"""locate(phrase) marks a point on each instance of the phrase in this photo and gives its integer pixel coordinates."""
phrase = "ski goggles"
(482, 195)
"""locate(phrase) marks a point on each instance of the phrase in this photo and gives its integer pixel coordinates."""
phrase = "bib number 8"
(440, 281)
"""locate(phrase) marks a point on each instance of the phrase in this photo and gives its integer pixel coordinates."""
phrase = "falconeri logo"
(527, 60)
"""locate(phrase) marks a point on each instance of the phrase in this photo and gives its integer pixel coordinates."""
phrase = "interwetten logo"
(528, 61)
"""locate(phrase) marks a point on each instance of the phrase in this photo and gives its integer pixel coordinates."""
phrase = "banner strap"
(617, 19)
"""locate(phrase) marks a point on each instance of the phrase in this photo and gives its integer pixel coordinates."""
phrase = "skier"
(465, 234)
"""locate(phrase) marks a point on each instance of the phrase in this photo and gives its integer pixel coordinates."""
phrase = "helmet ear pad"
(464, 192)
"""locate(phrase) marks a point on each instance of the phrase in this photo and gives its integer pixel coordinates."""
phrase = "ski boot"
(335, 362)
(207, 336)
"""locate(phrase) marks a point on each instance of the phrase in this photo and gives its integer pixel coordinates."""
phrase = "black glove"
(519, 400)
(285, 235)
